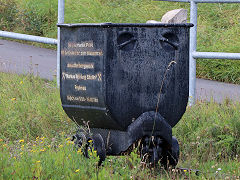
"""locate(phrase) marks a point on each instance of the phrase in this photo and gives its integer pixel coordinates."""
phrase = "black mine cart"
(127, 83)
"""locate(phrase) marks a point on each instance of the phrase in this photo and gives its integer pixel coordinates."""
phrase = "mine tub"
(126, 83)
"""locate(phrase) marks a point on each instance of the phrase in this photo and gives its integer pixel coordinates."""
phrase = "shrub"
(8, 14)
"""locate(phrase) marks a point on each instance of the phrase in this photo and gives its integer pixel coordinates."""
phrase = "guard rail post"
(192, 48)
(61, 5)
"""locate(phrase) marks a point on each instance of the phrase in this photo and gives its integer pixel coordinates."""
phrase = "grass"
(29, 107)
(218, 24)
(34, 139)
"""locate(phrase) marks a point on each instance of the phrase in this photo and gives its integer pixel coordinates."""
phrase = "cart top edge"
(106, 25)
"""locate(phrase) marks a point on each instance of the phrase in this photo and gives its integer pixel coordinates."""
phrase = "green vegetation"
(30, 107)
(218, 24)
(34, 139)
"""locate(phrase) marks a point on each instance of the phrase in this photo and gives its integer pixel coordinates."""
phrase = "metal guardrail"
(193, 42)
(61, 6)
(193, 54)
(215, 55)
(27, 37)
(39, 39)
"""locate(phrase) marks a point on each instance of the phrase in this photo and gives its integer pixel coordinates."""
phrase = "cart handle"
(173, 44)
(120, 46)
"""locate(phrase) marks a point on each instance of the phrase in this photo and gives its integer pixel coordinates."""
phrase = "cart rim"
(108, 25)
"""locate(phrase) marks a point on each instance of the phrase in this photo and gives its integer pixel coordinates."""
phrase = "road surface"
(21, 58)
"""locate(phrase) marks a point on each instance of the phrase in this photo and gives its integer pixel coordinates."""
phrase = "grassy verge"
(58, 158)
(218, 24)
(34, 139)
(30, 107)
(219, 70)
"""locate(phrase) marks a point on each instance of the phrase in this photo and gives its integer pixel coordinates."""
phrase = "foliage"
(219, 70)
(8, 14)
(213, 129)
(30, 107)
(46, 159)
(38, 17)
(34, 139)
(58, 158)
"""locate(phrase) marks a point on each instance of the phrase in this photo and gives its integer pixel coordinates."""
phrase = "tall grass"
(35, 132)
(8, 13)
(213, 129)
(30, 107)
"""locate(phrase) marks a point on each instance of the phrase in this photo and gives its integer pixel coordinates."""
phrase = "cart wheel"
(174, 155)
(79, 139)
(151, 150)
(170, 158)
(99, 146)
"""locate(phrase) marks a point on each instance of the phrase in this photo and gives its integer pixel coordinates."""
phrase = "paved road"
(22, 58)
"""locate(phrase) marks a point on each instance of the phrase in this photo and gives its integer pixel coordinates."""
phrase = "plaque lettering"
(83, 48)
(81, 53)
(80, 88)
(80, 76)
(91, 77)
(99, 76)
(92, 99)
(88, 44)
(82, 99)
(73, 76)
(81, 65)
